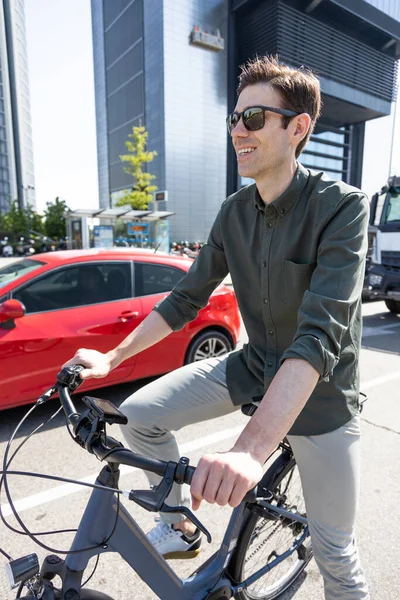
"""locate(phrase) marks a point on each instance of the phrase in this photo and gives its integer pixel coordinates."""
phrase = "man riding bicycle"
(295, 244)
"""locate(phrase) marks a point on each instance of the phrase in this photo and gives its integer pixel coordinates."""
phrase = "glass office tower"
(172, 65)
(16, 151)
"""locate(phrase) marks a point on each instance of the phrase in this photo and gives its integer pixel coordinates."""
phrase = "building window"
(328, 150)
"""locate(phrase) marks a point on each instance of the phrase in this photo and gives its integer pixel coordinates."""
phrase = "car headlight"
(375, 279)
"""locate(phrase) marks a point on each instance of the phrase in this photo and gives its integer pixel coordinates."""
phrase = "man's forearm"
(150, 331)
(282, 403)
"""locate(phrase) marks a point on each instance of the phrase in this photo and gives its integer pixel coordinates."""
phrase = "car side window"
(155, 279)
(78, 285)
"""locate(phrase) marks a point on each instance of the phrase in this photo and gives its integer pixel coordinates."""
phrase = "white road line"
(380, 380)
(69, 488)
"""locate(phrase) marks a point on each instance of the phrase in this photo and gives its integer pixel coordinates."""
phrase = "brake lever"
(189, 515)
(154, 500)
(47, 395)
(69, 376)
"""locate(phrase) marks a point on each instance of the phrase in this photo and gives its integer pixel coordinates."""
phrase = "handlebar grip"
(68, 405)
(189, 474)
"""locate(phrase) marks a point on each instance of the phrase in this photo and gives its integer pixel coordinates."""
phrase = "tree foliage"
(27, 221)
(15, 220)
(55, 225)
(142, 190)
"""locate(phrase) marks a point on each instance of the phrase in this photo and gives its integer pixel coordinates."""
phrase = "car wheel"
(393, 306)
(209, 344)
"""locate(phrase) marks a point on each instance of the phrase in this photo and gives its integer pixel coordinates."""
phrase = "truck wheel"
(393, 306)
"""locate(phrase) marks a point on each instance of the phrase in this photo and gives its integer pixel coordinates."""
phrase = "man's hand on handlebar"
(96, 363)
(224, 478)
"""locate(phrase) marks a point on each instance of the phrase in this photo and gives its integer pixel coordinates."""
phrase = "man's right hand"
(97, 364)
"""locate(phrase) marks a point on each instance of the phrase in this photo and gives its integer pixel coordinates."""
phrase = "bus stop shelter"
(80, 222)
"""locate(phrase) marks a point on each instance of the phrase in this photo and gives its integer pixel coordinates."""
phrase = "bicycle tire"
(84, 595)
(258, 530)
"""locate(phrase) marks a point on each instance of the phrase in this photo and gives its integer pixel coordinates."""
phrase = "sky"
(60, 60)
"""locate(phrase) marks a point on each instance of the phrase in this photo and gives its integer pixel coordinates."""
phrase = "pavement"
(48, 505)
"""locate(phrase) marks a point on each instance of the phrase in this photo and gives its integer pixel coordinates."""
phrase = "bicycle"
(264, 550)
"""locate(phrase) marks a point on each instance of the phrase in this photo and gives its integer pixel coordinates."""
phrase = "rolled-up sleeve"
(193, 291)
(335, 288)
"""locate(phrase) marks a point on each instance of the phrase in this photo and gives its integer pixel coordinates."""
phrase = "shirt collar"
(286, 200)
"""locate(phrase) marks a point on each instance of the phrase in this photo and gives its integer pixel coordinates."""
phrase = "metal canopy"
(125, 213)
(157, 215)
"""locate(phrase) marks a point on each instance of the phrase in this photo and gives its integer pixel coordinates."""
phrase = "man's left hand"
(224, 478)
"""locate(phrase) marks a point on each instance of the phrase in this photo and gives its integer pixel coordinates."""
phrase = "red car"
(54, 303)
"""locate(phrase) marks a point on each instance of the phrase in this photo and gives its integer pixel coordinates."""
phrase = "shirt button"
(265, 301)
(270, 332)
(269, 224)
(264, 263)
(270, 364)
(282, 211)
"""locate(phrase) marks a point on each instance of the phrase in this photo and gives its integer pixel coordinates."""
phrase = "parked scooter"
(47, 245)
(62, 244)
(6, 248)
(24, 248)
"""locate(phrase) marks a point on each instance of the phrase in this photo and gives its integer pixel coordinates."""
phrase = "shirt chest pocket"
(295, 281)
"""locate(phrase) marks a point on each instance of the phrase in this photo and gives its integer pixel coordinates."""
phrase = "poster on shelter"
(103, 236)
(162, 235)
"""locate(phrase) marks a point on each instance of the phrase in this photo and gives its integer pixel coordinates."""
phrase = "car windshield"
(18, 268)
(393, 208)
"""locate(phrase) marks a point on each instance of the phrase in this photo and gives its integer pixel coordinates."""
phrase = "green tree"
(15, 220)
(142, 190)
(55, 225)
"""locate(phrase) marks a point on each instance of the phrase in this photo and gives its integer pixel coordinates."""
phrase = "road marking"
(379, 381)
(68, 488)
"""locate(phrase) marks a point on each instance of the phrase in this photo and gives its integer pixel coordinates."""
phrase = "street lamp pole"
(28, 187)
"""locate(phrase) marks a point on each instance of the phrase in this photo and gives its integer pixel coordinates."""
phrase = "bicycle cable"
(19, 532)
(3, 481)
(92, 573)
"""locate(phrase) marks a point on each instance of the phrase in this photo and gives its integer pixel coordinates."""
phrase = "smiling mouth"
(244, 152)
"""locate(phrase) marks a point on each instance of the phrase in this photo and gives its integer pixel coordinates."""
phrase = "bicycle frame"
(210, 579)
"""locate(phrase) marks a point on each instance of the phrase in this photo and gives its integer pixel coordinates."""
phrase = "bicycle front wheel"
(264, 537)
(84, 595)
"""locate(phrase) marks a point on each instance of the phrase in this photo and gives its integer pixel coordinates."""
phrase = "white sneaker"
(173, 543)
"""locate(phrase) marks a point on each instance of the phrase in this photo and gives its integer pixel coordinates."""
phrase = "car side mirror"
(10, 310)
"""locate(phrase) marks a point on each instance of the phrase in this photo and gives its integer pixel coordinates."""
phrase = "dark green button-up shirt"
(297, 267)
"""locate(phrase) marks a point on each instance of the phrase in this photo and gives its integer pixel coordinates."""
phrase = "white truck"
(384, 255)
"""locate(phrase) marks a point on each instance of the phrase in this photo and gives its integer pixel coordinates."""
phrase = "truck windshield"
(16, 269)
(392, 212)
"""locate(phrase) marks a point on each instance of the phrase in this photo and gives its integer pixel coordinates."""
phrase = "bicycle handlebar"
(122, 455)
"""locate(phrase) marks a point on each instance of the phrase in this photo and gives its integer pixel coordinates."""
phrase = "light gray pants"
(329, 464)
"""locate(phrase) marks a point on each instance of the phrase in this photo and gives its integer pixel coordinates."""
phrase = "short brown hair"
(299, 89)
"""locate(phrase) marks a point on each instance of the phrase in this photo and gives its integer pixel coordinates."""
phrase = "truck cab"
(384, 232)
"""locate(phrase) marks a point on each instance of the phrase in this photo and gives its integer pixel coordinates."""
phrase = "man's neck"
(275, 183)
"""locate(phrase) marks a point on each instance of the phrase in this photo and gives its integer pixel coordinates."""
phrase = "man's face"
(270, 147)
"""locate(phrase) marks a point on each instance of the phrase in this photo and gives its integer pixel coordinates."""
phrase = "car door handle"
(127, 315)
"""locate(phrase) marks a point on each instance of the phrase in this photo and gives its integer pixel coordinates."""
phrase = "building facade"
(17, 180)
(149, 70)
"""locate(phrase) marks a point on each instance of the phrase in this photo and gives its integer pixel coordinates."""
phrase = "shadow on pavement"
(295, 587)
(381, 332)
(11, 417)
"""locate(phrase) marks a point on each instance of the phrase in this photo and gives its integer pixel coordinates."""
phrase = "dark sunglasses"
(254, 117)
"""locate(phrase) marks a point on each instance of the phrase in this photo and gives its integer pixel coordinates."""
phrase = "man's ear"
(301, 125)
